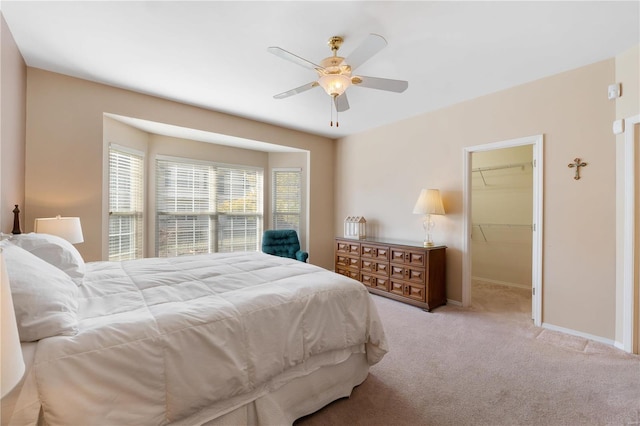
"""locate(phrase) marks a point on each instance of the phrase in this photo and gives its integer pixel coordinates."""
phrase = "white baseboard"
(505, 283)
(619, 345)
(454, 302)
(579, 334)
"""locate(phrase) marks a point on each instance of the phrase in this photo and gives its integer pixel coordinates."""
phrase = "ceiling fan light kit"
(335, 72)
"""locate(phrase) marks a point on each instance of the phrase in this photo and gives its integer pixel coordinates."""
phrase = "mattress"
(188, 340)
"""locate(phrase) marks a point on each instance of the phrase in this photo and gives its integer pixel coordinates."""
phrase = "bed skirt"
(301, 396)
(297, 398)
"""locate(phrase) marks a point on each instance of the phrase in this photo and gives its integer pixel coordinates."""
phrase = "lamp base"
(428, 227)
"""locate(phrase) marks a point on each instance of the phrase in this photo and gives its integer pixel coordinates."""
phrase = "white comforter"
(161, 339)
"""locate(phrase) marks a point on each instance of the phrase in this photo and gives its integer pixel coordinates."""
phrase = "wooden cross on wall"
(577, 164)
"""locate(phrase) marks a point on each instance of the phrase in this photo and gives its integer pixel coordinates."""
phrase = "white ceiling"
(214, 54)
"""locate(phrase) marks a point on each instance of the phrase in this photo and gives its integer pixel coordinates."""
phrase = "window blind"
(287, 200)
(126, 204)
(207, 208)
(239, 207)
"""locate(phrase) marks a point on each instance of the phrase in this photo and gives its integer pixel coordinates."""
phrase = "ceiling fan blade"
(387, 84)
(296, 90)
(369, 47)
(294, 58)
(341, 102)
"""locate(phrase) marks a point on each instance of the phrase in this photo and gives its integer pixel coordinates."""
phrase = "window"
(206, 207)
(239, 208)
(287, 198)
(126, 200)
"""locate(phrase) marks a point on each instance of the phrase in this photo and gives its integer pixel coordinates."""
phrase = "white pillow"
(44, 297)
(55, 250)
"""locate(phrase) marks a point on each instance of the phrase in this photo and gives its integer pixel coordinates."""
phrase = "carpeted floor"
(488, 365)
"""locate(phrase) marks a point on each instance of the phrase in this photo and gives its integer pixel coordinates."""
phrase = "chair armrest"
(302, 256)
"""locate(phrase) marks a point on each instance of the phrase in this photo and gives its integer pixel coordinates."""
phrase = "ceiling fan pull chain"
(331, 108)
(337, 122)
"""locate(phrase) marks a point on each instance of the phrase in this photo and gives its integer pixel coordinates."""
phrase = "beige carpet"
(488, 365)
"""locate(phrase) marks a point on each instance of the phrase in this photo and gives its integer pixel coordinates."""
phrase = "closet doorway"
(503, 221)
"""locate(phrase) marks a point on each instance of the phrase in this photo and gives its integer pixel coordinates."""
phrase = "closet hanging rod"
(506, 166)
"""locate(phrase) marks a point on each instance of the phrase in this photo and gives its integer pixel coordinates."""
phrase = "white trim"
(466, 229)
(536, 262)
(538, 218)
(189, 160)
(578, 334)
(628, 234)
(454, 302)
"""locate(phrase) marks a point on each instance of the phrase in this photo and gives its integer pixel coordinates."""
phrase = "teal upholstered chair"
(283, 243)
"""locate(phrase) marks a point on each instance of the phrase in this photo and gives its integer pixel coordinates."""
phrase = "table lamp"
(429, 202)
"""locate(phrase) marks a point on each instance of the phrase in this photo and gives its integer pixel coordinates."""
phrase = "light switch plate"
(613, 91)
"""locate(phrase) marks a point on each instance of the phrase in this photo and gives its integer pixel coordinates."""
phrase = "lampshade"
(68, 228)
(12, 362)
(429, 202)
(334, 84)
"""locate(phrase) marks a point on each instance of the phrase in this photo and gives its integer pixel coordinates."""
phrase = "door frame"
(629, 304)
(537, 142)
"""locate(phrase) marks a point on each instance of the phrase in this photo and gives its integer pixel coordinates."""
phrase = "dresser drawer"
(373, 281)
(412, 291)
(405, 273)
(375, 252)
(348, 247)
(408, 257)
(346, 261)
(374, 267)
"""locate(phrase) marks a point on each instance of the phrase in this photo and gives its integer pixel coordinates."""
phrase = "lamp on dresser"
(68, 228)
(429, 202)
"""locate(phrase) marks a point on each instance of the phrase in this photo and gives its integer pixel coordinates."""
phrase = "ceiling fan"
(335, 72)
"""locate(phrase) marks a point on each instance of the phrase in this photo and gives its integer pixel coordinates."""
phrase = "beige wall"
(65, 149)
(13, 88)
(502, 214)
(380, 173)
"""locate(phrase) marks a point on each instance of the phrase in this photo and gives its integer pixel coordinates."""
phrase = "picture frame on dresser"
(403, 271)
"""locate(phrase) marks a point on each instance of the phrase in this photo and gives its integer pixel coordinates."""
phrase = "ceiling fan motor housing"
(335, 75)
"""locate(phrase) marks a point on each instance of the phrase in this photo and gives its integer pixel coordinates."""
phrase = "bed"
(228, 338)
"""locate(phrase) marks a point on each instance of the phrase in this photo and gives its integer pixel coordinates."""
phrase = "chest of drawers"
(409, 273)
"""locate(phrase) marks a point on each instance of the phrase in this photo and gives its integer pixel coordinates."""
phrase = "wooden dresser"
(402, 271)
